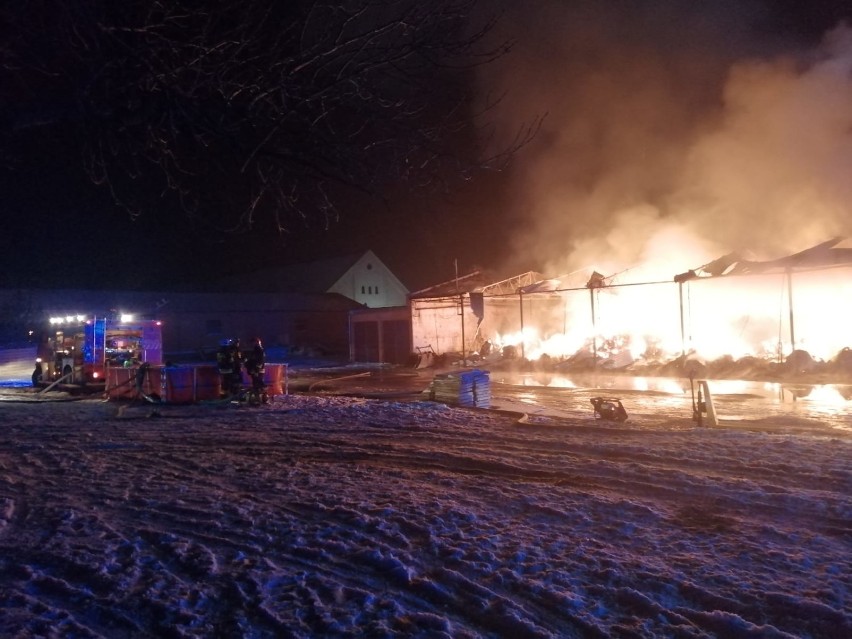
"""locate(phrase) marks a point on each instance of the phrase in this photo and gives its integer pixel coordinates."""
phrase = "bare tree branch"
(244, 110)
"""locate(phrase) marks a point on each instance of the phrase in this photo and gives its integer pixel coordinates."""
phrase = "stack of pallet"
(466, 388)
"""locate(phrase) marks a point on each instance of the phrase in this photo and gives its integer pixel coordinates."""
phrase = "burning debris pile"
(799, 365)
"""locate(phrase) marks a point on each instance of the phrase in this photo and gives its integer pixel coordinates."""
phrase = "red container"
(177, 385)
(172, 384)
(208, 383)
(121, 383)
(153, 383)
(275, 378)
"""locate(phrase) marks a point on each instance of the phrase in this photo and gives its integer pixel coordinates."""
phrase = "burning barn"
(797, 304)
(793, 310)
(468, 314)
(590, 319)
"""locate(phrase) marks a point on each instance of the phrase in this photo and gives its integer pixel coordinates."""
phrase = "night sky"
(627, 94)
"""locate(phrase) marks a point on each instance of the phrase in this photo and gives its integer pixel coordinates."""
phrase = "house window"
(377, 290)
(362, 290)
(370, 290)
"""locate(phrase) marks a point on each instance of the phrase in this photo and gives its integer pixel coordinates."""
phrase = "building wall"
(380, 335)
(439, 323)
(200, 332)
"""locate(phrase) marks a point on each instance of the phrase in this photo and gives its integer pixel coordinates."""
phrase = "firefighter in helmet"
(255, 366)
(229, 362)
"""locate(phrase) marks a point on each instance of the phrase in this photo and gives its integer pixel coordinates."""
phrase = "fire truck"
(79, 349)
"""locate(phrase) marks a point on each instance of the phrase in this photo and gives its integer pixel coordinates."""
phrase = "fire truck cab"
(79, 349)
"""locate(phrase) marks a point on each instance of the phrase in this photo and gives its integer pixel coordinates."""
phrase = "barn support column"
(790, 302)
(594, 327)
(461, 310)
(596, 282)
(682, 327)
(521, 300)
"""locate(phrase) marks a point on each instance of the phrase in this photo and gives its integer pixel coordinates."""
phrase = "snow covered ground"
(319, 516)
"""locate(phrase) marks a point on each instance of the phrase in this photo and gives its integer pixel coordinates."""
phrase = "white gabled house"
(378, 330)
(371, 283)
(361, 277)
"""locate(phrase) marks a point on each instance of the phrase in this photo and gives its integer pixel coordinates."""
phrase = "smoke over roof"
(674, 132)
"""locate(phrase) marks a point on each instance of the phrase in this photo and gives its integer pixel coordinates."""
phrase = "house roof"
(317, 276)
(303, 277)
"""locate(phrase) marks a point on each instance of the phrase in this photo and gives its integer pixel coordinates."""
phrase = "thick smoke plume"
(674, 133)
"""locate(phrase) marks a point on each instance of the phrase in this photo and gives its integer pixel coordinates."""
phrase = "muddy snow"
(318, 516)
